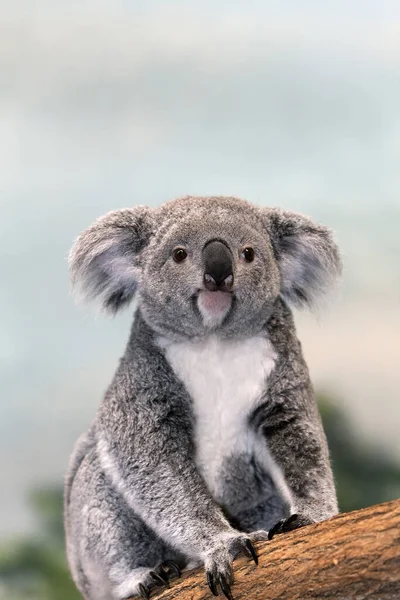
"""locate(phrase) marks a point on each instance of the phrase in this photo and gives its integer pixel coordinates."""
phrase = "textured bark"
(353, 556)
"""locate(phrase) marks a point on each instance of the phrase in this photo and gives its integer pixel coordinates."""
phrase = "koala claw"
(277, 528)
(219, 563)
(250, 550)
(162, 574)
(160, 577)
(214, 580)
(290, 524)
(169, 565)
(225, 587)
(144, 591)
(211, 583)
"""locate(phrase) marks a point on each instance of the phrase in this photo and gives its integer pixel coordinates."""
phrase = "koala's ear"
(307, 256)
(105, 259)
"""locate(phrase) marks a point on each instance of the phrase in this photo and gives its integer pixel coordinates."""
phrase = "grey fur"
(103, 258)
(308, 258)
(135, 496)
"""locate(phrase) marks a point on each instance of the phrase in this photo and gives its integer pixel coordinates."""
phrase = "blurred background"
(109, 103)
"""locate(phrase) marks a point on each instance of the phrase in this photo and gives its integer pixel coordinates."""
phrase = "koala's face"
(212, 268)
(204, 264)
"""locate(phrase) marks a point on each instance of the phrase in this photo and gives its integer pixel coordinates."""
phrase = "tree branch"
(354, 556)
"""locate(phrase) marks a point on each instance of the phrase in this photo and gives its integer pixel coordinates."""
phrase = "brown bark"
(353, 556)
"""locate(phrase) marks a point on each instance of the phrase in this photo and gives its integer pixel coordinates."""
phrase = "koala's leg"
(112, 553)
(293, 431)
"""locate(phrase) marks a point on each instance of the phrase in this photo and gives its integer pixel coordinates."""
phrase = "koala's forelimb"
(154, 469)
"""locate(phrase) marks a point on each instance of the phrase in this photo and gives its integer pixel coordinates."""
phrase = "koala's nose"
(218, 266)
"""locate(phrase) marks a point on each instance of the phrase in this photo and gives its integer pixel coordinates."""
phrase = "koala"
(208, 438)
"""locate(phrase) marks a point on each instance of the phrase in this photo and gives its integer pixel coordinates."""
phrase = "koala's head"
(204, 264)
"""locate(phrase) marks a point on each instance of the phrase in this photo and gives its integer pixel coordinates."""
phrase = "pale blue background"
(106, 104)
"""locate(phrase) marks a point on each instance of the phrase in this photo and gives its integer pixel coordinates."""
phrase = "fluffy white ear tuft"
(307, 255)
(105, 259)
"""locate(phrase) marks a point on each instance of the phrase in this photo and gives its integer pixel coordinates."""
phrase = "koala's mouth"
(214, 306)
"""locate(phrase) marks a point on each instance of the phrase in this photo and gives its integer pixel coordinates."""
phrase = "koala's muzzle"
(218, 266)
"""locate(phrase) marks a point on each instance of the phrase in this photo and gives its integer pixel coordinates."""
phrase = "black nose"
(218, 266)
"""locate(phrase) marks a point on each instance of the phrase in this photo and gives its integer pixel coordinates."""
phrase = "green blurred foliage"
(364, 474)
(35, 568)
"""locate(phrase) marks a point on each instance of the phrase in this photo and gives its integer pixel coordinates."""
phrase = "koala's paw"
(218, 560)
(293, 522)
(146, 580)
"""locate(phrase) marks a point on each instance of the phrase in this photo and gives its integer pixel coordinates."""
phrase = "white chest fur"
(225, 380)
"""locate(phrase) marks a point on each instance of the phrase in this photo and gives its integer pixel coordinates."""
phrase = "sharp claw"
(173, 566)
(144, 592)
(225, 587)
(250, 550)
(211, 583)
(288, 521)
(275, 529)
(160, 578)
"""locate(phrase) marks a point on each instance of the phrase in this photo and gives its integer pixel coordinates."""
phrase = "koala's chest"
(225, 380)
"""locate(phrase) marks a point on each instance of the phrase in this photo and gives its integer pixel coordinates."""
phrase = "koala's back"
(82, 446)
(98, 520)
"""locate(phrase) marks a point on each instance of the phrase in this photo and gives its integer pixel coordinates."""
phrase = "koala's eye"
(179, 254)
(248, 254)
